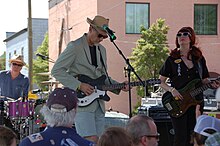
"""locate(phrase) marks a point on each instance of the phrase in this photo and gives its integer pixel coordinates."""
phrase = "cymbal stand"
(24, 128)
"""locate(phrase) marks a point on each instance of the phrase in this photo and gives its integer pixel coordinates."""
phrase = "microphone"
(42, 56)
(109, 32)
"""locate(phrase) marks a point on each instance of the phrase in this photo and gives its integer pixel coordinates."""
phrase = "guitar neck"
(201, 89)
(132, 84)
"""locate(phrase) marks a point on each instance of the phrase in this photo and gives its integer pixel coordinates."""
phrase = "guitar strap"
(102, 61)
(198, 66)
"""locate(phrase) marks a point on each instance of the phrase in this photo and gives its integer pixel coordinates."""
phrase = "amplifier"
(210, 104)
(158, 113)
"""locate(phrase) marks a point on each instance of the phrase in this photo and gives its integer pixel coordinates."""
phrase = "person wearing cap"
(13, 83)
(184, 66)
(205, 127)
(86, 56)
(59, 113)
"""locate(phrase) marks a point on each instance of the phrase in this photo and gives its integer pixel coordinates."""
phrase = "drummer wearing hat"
(13, 84)
(86, 56)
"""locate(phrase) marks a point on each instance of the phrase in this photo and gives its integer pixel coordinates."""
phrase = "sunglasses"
(100, 35)
(184, 34)
(157, 136)
(15, 64)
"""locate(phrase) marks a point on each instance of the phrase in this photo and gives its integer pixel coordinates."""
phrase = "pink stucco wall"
(177, 13)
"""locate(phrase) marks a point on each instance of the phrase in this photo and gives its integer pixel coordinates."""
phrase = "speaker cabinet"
(166, 131)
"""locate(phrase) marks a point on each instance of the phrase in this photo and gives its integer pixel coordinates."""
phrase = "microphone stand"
(129, 70)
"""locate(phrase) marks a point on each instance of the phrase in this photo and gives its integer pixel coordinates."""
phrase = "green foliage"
(150, 52)
(2, 61)
(40, 65)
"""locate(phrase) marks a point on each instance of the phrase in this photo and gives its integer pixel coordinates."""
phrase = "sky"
(14, 14)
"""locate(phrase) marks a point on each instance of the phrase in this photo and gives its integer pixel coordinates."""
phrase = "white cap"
(206, 122)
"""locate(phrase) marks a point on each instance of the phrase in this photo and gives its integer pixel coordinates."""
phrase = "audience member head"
(143, 131)
(60, 108)
(115, 136)
(7, 137)
(205, 127)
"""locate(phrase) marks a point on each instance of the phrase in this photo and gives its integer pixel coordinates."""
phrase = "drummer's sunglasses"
(15, 64)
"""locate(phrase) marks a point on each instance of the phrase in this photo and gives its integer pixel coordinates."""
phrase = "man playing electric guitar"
(86, 56)
(185, 65)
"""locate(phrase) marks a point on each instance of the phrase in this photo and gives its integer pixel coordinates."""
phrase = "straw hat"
(18, 59)
(98, 22)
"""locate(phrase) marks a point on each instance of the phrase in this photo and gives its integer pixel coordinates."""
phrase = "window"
(137, 14)
(205, 19)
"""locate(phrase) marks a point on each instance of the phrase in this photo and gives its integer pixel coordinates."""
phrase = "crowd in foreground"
(140, 130)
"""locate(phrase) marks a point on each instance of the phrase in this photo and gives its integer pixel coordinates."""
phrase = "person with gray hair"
(143, 131)
(59, 113)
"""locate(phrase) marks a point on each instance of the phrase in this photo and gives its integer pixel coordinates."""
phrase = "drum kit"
(24, 116)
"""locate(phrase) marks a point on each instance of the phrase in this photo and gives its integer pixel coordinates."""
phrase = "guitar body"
(100, 88)
(97, 94)
(176, 107)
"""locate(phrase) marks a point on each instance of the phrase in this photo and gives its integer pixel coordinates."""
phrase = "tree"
(40, 65)
(150, 52)
(2, 61)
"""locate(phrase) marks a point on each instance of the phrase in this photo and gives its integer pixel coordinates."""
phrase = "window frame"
(204, 33)
(148, 21)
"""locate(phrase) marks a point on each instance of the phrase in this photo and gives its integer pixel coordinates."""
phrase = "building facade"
(17, 42)
(67, 21)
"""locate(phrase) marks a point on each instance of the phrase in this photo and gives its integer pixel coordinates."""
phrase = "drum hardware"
(50, 84)
(44, 73)
(6, 98)
(22, 116)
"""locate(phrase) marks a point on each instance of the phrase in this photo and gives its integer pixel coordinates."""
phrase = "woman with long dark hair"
(183, 67)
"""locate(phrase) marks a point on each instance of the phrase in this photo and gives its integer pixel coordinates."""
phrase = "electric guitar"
(176, 107)
(100, 88)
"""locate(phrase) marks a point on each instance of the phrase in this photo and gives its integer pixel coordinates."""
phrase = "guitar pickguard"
(86, 100)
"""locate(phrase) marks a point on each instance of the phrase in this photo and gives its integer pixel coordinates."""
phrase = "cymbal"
(44, 73)
(50, 82)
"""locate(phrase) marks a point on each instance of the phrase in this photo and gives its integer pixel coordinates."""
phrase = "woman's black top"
(180, 75)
